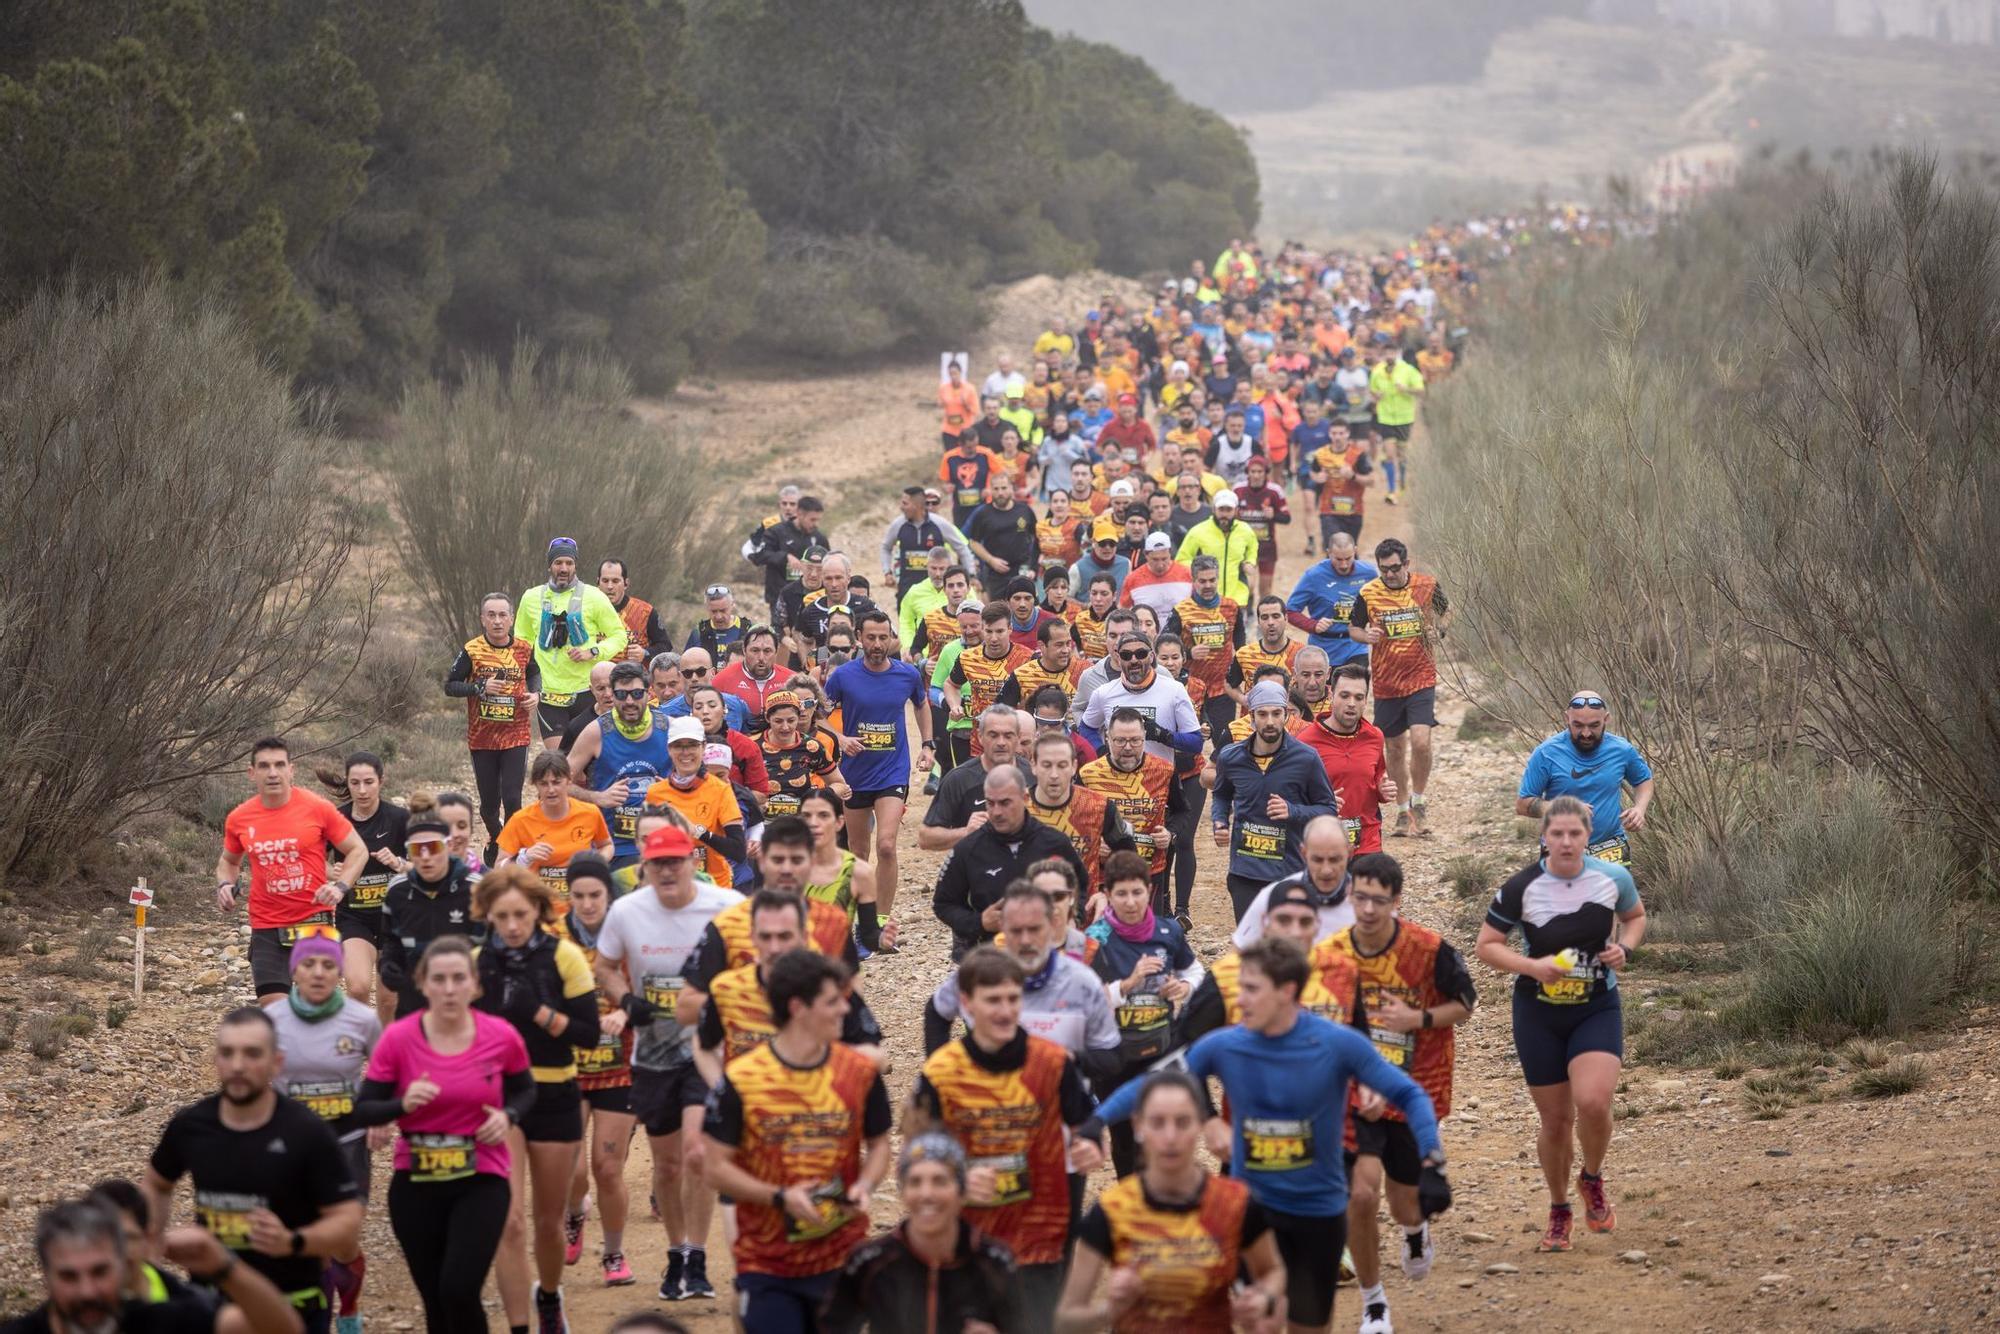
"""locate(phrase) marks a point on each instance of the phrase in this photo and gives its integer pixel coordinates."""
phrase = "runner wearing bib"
(1569, 1030)
(1585, 761)
(1402, 615)
(1351, 749)
(359, 916)
(573, 626)
(498, 677)
(619, 757)
(544, 836)
(604, 1078)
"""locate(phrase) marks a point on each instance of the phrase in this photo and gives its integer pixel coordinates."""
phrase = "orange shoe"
(1557, 1237)
(1598, 1215)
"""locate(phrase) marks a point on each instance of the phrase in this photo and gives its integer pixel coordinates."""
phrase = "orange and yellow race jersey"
(1186, 1255)
(800, 1126)
(1332, 985)
(743, 1010)
(1213, 631)
(1401, 663)
(1407, 970)
(1141, 797)
(1010, 1121)
(608, 1065)
(1254, 655)
(1033, 676)
(1081, 821)
(826, 931)
(497, 719)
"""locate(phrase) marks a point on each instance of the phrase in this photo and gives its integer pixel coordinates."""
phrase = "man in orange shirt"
(958, 402)
(1402, 616)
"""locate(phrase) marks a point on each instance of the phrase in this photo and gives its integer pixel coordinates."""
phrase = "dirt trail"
(1845, 1215)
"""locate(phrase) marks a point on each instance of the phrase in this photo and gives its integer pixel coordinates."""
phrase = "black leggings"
(1185, 828)
(499, 774)
(449, 1232)
(956, 748)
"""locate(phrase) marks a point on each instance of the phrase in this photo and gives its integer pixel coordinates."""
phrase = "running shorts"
(557, 1116)
(660, 1096)
(271, 951)
(617, 1098)
(359, 924)
(1394, 1143)
(1548, 1037)
(1310, 1248)
(865, 800)
(557, 712)
(1398, 714)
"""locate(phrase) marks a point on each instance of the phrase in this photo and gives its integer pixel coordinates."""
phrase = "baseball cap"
(1123, 399)
(1123, 487)
(666, 841)
(716, 753)
(685, 729)
(1227, 500)
(814, 553)
(1092, 316)
(1159, 542)
(932, 493)
(1095, 391)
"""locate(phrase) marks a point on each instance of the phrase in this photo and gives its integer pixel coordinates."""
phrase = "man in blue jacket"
(1323, 597)
(1268, 787)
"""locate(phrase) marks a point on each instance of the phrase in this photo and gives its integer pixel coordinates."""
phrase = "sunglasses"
(636, 692)
(694, 671)
(1586, 702)
(1391, 569)
(416, 848)
(1134, 655)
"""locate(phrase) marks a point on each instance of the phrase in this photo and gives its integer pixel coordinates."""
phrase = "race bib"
(1266, 842)
(1403, 623)
(782, 802)
(319, 924)
(1576, 984)
(1210, 634)
(1341, 505)
(876, 736)
(504, 709)
(830, 1199)
(329, 1100)
(1614, 850)
(967, 497)
(1010, 1178)
(1144, 1012)
(559, 699)
(368, 891)
(227, 1215)
(1277, 1146)
(436, 1158)
(916, 560)
(557, 879)
(662, 989)
(597, 1060)
(1353, 828)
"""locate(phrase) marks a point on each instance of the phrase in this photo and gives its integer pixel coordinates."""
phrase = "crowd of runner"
(652, 914)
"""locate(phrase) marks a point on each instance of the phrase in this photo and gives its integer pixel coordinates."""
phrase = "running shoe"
(931, 786)
(1557, 1237)
(1419, 816)
(1598, 1215)
(572, 1238)
(1309, 546)
(1389, 499)
(1418, 1252)
(1375, 1319)
(696, 1287)
(671, 1289)
(347, 1324)
(1185, 922)
(617, 1273)
(1346, 1266)
(549, 1316)
(1404, 823)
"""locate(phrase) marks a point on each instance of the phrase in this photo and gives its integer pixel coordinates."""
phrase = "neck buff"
(1134, 931)
(311, 1013)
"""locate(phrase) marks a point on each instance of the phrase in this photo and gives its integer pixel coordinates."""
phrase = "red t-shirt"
(285, 848)
(1354, 765)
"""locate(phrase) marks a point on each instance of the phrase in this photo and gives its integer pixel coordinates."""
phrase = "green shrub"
(1905, 1074)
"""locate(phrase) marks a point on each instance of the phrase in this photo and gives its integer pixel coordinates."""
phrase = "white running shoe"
(1375, 1319)
(1346, 1267)
(1418, 1252)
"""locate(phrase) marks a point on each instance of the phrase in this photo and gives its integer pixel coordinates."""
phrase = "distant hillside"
(1275, 55)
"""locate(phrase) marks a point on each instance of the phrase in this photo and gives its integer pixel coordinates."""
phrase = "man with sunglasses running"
(1172, 727)
(1586, 761)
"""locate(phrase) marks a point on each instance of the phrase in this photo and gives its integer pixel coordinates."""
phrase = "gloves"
(639, 1009)
(519, 1001)
(1433, 1191)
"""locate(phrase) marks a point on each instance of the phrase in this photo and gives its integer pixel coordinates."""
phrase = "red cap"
(1123, 399)
(667, 841)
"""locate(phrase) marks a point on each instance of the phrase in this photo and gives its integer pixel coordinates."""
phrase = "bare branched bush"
(486, 471)
(175, 570)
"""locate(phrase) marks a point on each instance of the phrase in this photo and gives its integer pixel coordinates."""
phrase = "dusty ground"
(1845, 1215)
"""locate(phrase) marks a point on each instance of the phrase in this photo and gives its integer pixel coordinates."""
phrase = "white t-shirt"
(1335, 918)
(655, 944)
(1165, 701)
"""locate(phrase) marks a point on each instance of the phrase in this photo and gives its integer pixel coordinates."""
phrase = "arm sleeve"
(860, 1028)
(390, 960)
(708, 1032)
(937, 1028)
(952, 900)
(1095, 1231)
(1204, 1012)
(527, 615)
(579, 998)
(724, 1122)
(1010, 691)
(375, 1104)
(1072, 1097)
(1450, 976)
(458, 682)
(1115, 832)
(517, 1094)
(730, 841)
(1357, 615)
(888, 546)
(955, 539)
(876, 1114)
(1637, 770)
(709, 959)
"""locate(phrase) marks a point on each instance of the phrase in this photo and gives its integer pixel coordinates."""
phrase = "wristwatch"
(298, 1242)
(778, 1198)
(1427, 1017)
